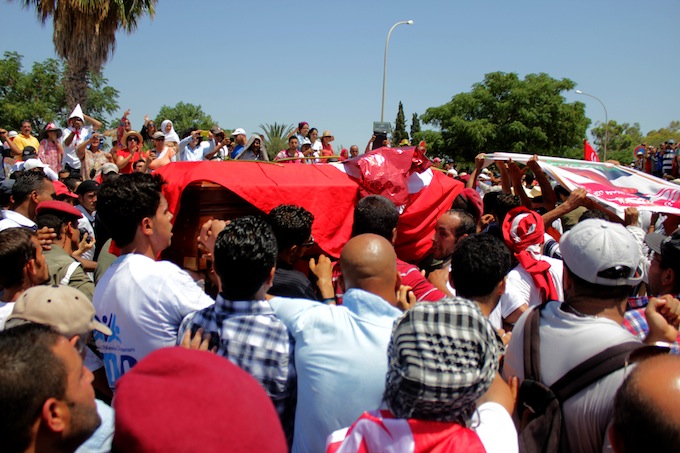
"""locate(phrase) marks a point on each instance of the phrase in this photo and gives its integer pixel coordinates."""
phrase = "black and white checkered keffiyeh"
(442, 357)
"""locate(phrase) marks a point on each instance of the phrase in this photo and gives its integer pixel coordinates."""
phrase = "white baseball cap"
(239, 131)
(30, 164)
(603, 253)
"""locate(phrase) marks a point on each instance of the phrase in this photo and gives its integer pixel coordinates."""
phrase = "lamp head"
(409, 22)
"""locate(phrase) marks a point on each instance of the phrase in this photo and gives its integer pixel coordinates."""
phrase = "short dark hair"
(27, 183)
(504, 204)
(245, 253)
(123, 202)
(375, 214)
(30, 374)
(466, 225)
(16, 249)
(478, 264)
(56, 220)
(595, 291)
(291, 224)
(593, 214)
(292, 137)
(638, 424)
(72, 182)
(490, 201)
(560, 190)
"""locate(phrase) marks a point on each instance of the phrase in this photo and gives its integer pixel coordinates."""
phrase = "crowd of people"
(662, 161)
(528, 289)
(79, 148)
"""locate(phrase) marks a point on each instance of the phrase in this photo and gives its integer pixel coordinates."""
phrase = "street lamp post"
(606, 121)
(387, 42)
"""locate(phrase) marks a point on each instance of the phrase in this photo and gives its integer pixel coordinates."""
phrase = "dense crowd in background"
(538, 321)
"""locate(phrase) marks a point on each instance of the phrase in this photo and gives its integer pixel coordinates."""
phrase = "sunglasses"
(133, 138)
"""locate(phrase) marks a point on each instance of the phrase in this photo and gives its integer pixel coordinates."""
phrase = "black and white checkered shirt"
(250, 335)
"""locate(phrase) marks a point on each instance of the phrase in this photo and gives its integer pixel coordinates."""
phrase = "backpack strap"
(592, 370)
(532, 357)
(69, 272)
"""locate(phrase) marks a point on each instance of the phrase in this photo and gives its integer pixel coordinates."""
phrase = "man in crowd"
(193, 149)
(143, 301)
(23, 140)
(646, 415)
(663, 277)
(240, 138)
(64, 269)
(378, 215)
(353, 151)
(87, 198)
(601, 262)
(45, 391)
(22, 265)
(292, 226)
(291, 152)
(479, 269)
(537, 278)
(242, 322)
(65, 310)
(432, 392)
(75, 134)
(28, 191)
(340, 350)
(450, 228)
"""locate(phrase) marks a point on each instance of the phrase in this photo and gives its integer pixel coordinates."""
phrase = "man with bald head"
(341, 351)
(647, 408)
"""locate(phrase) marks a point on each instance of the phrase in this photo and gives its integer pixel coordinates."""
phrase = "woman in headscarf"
(168, 130)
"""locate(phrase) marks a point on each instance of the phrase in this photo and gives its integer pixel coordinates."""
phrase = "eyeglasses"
(134, 138)
(309, 242)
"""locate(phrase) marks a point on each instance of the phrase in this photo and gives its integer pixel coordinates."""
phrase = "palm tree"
(276, 137)
(85, 35)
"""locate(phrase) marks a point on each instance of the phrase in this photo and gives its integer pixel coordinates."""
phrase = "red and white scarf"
(379, 431)
(523, 234)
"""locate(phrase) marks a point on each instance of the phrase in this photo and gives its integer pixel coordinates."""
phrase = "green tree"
(658, 136)
(39, 95)
(620, 137)
(504, 113)
(399, 132)
(433, 140)
(85, 36)
(275, 137)
(185, 117)
(415, 128)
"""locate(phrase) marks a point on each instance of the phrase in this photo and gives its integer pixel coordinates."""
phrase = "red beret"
(59, 207)
(178, 400)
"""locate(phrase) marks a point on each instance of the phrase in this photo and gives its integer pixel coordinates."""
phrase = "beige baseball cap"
(63, 308)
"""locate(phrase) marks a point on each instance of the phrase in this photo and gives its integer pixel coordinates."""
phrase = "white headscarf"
(172, 135)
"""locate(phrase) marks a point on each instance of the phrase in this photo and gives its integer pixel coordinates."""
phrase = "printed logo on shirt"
(117, 359)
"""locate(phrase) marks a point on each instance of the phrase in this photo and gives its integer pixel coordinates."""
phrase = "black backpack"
(539, 414)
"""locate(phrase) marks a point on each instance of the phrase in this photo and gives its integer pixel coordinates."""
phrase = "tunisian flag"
(589, 153)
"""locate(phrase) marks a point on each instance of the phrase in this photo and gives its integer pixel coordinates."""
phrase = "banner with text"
(615, 186)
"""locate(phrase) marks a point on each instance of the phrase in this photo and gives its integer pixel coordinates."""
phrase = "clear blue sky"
(266, 61)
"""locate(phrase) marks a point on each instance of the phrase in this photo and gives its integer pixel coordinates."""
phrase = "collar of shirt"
(369, 306)
(243, 306)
